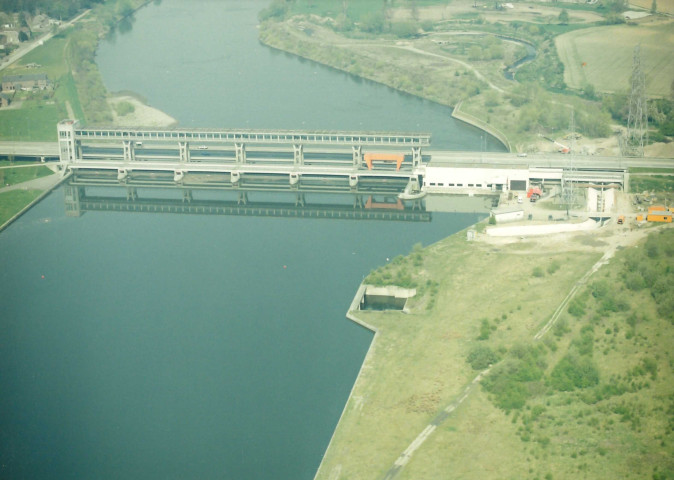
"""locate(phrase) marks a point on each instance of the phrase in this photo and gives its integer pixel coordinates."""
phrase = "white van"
(520, 198)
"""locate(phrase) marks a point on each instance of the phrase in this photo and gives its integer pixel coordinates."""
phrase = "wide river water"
(185, 346)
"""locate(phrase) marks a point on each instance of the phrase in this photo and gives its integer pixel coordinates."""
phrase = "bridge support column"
(416, 157)
(69, 148)
(240, 152)
(131, 194)
(184, 152)
(299, 200)
(129, 152)
(187, 196)
(357, 155)
(243, 198)
(298, 154)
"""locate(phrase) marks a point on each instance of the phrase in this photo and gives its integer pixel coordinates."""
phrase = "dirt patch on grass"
(142, 115)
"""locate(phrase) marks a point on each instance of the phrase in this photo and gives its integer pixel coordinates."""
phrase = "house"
(12, 83)
(9, 37)
(5, 100)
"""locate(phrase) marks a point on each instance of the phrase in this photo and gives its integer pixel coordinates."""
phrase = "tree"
(373, 22)
(563, 17)
(414, 11)
(654, 6)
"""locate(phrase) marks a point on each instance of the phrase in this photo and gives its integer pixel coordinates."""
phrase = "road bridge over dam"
(361, 162)
(351, 161)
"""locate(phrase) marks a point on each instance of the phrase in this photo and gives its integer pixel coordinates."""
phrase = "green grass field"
(617, 425)
(36, 118)
(14, 201)
(12, 176)
(31, 123)
(603, 57)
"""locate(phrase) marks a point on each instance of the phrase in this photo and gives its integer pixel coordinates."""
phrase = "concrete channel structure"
(238, 158)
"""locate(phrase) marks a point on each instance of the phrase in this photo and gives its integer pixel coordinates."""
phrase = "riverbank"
(18, 199)
(398, 422)
(456, 57)
(137, 113)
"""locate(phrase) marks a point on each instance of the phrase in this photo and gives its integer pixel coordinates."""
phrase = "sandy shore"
(142, 116)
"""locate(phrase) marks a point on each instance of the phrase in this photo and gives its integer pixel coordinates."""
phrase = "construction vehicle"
(621, 219)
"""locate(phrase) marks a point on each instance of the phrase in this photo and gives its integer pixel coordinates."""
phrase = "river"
(187, 346)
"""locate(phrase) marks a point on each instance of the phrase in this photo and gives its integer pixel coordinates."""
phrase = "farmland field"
(664, 6)
(602, 56)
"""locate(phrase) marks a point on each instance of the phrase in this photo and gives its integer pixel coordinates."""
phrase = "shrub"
(553, 267)
(124, 108)
(481, 356)
(573, 372)
(485, 330)
(577, 308)
(538, 272)
(404, 29)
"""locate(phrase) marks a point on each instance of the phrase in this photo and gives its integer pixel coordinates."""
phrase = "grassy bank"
(14, 201)
(593, 399)
(12, 176)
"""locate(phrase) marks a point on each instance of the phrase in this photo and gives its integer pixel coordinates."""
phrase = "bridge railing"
(257, 136)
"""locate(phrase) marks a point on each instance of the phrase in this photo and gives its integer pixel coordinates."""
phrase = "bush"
(373, 22)
(481, 356)
(485, 330)
(511, 383)
(576, 308)
(538, 272)
(404, 29)
(573, 372)
(124, 108)
(277, 9)
(553, 267)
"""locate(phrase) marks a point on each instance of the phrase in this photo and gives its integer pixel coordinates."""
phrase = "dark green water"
(178, 346)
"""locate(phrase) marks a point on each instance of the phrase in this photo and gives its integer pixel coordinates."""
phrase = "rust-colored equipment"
(396, 204)
(384, 157)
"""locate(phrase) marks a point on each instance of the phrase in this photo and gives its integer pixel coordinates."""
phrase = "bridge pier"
(234, 178)
(184, 152)
(69, 149)
(242, 198)
(129, 152)
(299, 200)
(294, 180)
(131, 193)
(240, 152)
(298, 154)
(416, 157)
(187, 196)
(357, 155)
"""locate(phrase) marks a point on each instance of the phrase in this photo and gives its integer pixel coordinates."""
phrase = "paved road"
(42, 183)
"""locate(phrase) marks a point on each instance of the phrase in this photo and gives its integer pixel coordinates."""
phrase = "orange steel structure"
(386, 157)
(398, 205)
